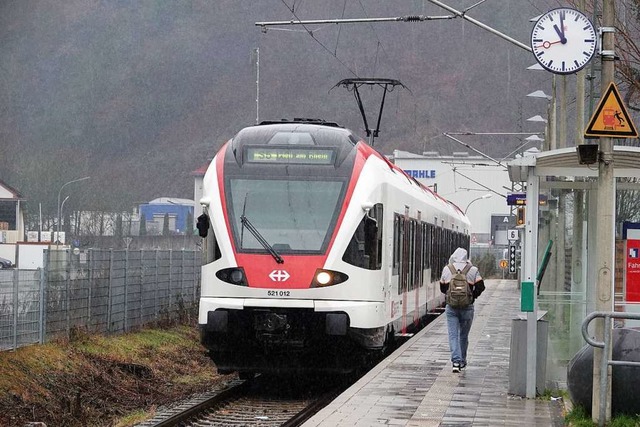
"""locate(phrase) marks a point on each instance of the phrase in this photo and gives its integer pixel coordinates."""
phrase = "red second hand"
(547, 45)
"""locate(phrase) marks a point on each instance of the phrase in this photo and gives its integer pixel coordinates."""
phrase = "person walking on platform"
(462, 283)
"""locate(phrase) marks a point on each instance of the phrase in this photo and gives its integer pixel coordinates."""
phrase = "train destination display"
(290, 155)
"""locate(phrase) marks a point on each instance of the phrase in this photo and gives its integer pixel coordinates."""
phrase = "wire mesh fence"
(21, 293)
(100, 291)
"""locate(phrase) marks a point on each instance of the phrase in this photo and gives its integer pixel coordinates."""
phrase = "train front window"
(292, 216)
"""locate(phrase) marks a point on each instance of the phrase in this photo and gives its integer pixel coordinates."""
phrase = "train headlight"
(234, 275)
(324, 278)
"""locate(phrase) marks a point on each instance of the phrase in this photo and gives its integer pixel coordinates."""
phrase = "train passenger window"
(397, 239)
(417, 281)
(427, 246)
(365, 247)
(404, 256)
(411, 265)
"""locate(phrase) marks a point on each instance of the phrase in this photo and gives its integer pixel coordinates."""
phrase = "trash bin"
(518, 355)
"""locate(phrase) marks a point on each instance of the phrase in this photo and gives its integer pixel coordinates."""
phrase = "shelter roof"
(564, 162)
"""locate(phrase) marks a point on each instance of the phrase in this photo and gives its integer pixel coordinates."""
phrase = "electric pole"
(606, 225)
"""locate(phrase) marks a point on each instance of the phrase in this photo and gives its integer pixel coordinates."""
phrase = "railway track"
(263, 401)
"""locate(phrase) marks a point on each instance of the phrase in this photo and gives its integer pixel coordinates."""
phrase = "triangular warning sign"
(610, 118)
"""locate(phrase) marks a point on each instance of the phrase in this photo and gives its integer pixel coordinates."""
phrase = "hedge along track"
(249, 403)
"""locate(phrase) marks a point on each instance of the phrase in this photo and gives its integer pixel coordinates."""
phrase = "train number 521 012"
(278, 293)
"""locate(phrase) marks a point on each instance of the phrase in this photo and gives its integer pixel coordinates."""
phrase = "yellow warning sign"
(610, 118)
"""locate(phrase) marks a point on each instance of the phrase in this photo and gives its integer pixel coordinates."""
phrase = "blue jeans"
(459, 324)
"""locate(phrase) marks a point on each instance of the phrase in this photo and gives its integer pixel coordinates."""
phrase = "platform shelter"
(562, 186)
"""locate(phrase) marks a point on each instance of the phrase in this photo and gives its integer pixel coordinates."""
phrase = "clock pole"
(605, 231)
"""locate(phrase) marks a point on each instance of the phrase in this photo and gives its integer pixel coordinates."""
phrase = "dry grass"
(102, 381)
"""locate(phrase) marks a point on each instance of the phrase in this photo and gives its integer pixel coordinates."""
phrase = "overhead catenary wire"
(344, 7)
(298, 21)
(474, 150)
(316, 40)
(409, 18)
(455, 171)
(379, 46)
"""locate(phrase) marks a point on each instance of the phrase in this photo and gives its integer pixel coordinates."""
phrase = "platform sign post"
(529, 267)
(512, 258)
(503, 266)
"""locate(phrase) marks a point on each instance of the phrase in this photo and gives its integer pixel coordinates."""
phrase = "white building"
(474, 183)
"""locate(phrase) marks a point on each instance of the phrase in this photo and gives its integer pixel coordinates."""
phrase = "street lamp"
(61, 210)
(59, 206)
(551, 109)
(537, 118)
(539, 94)
(486, 196)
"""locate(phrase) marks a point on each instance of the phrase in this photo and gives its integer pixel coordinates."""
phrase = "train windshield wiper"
(246, 223)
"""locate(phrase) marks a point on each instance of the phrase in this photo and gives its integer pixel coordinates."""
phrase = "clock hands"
(554, 28)
(560, 31)
(547, 45)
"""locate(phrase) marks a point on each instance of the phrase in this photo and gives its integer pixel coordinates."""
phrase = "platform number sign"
(512, 258)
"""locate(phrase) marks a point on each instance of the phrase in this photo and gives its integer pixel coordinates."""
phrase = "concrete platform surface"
(415, 386)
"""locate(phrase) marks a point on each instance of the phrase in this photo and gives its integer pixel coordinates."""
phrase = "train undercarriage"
(289, 340)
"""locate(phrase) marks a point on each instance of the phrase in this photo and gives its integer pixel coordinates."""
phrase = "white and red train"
(318, 250)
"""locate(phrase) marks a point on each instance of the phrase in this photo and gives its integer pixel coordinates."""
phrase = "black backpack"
(459, 293)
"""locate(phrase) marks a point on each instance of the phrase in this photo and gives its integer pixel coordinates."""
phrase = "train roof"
(300, 132)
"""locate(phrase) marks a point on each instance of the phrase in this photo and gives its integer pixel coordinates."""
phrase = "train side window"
(365, 247)
(418, 257)
(411, 264)
(427, 246)
(397, 233)
(404, 257)
(438, 249)
(402, 254)
(373, 233)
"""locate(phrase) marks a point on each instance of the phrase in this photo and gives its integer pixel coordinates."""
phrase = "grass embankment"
(579, 417)
(102, 381)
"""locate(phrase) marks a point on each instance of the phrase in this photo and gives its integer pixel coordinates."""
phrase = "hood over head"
(459, 258)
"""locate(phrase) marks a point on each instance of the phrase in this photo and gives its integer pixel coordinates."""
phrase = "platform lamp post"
(59, 205)
(551, 116)
(486, 196)
(534, 138)
(556, 232)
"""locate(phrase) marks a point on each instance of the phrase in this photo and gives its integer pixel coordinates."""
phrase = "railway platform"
(415, 386)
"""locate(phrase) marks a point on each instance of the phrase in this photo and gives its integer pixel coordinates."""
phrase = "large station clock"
(563, 40)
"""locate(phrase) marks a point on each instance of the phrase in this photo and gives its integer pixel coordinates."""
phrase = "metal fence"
(103, 291)
(21, 311)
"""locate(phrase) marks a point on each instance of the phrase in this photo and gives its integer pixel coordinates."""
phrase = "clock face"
(563, 40)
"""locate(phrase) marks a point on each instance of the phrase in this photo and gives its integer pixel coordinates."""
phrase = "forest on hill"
(138, 95)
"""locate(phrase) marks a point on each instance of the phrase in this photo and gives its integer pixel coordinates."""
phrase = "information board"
(632, 292)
